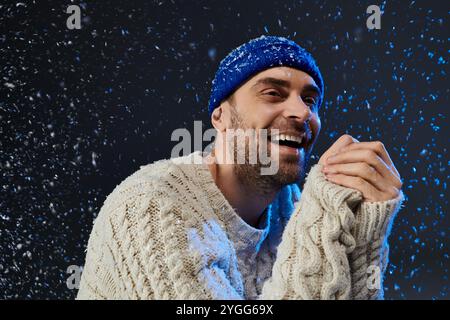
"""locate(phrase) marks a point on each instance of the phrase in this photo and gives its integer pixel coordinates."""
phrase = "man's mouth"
(291, 144)
(291, 141)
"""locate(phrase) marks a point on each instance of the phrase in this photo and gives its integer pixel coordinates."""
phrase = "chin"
(288, 176)
(292, 168)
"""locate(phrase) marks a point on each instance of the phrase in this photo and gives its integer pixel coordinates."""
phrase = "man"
(196, 227)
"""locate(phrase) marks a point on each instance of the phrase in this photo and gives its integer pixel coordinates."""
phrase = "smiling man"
(196, 227)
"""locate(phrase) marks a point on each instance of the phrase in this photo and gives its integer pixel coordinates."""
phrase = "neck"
(248, 202)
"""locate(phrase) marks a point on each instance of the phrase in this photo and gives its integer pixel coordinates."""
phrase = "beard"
(291, 168)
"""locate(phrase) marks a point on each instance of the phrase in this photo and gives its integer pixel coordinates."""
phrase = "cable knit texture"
(167, 232)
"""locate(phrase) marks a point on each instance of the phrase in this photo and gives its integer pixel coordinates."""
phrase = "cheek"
(315, 125)
(260, 115)
(267, 118)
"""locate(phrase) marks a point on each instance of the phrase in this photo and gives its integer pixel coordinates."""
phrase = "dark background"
(80, 110)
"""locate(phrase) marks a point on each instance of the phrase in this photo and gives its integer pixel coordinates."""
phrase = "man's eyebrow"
(311, 88)
(273, 81)
(285, 83)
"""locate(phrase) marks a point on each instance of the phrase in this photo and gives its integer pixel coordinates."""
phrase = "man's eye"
(273, 93)
(310, 101)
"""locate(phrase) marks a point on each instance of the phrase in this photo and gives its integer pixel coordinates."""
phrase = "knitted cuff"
(371, 220)
(374, 219)
(331, 195)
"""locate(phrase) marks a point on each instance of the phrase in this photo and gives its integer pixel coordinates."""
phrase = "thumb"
(343, 141)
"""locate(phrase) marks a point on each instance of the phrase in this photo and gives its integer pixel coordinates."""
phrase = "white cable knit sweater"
(167, 232)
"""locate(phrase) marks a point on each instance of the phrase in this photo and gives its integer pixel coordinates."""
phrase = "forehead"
(297, 77)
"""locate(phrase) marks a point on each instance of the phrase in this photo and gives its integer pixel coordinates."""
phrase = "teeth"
(285, 137)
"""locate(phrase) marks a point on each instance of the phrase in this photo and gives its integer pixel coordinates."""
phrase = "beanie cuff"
(255, 56)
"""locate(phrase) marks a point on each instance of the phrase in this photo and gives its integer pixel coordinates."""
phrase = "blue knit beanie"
(257, 55)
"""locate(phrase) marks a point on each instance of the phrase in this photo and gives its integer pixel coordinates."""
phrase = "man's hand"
(364, 166)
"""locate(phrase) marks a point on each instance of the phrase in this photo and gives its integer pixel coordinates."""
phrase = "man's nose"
(296, 108)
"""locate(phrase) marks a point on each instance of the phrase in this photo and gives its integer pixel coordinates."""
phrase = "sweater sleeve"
(101, 277)
(328, 245)
(147, 247)
(369, 259)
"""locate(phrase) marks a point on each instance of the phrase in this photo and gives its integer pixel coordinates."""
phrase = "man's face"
(280, 98)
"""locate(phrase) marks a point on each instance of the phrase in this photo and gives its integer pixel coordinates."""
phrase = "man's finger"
(369, 157)
(370, 193)
(378, 148)
(359, 169)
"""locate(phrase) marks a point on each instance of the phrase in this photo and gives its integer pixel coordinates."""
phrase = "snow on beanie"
(255, 56)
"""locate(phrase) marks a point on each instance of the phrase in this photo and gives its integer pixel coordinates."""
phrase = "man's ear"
(218, 118)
